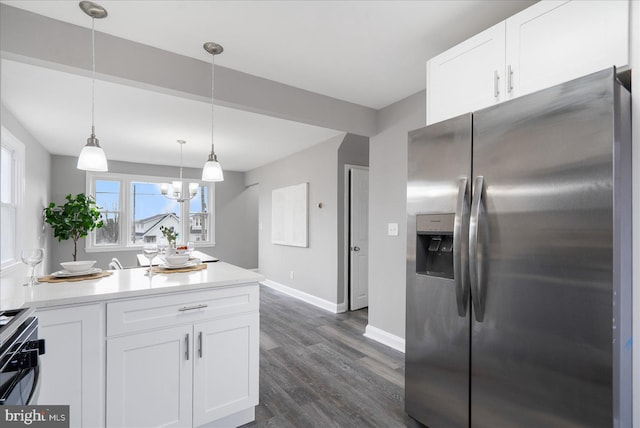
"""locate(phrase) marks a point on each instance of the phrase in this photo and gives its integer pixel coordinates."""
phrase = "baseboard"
(235, 420)
(305, 297)
(255, 270)
(342, 307)
(386, 338)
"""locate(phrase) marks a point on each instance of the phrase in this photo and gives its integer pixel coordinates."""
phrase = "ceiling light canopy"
(212, 171)
(92, 157)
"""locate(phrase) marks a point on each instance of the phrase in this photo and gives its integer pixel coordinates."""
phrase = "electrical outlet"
(392, 229)
(291, 274)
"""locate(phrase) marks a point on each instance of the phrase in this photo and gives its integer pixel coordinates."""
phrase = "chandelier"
(174, 190)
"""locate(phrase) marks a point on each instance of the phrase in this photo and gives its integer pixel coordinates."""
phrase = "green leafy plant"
(74, 219)
(169, 233)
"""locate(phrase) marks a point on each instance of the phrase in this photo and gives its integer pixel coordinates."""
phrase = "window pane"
(6, 177)
(8, 225)
(149, 211)
(199, 215)
(108, 201)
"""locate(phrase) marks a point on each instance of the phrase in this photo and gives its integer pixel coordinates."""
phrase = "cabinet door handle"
(191, 308)
(186, 351)
(200, 344)
(496, 84)
(509, 79)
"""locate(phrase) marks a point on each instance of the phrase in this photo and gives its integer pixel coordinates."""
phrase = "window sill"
(138, 248)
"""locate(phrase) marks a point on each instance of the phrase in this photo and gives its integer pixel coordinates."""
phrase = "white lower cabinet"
(226, 353)
(73, 363)
(149, 379)
(200, 368)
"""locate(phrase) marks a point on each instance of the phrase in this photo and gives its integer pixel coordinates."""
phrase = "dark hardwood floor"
(318, 370)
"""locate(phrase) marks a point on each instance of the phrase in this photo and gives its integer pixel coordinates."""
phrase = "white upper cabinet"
(555, 41)
(546, 44)
(468, 76)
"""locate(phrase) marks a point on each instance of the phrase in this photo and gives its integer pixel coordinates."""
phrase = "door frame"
(347, 234)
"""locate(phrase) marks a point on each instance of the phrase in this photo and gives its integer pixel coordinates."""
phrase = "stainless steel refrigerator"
(519, 262)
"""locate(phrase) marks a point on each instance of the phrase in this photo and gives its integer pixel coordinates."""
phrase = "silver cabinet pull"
(496, 84)
(509, 79)
(200, 344)
(460, 247)
(191, 308)
(186, 341)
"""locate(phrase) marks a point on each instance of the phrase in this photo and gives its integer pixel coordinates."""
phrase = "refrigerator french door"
(519, 261)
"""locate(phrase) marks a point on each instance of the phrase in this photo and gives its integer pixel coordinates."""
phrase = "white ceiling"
(142, 126)
(370, 53)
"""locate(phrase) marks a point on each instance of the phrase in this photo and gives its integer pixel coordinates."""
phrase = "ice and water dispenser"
(434, 240)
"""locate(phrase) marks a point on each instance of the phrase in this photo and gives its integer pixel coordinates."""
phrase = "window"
(133, 210)
(11, 196)
(108, 199)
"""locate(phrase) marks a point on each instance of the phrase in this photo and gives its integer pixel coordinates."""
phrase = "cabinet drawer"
(134, 315)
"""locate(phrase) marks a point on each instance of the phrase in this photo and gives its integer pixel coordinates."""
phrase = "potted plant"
(74, 219)
(170, 235)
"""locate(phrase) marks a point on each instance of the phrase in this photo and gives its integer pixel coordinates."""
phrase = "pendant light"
(176, 186)
(92, 157)
(212, 171)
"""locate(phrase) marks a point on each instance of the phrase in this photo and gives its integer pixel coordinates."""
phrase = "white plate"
(185, 265)
(67, 274)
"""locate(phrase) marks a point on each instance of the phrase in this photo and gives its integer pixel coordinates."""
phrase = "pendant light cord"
(93, 74)
(181, 144)
(213, 68)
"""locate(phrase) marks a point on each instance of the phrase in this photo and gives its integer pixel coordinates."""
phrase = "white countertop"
(123, 283)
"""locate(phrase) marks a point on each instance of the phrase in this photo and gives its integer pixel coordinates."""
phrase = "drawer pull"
(200, 344)
(191, 308)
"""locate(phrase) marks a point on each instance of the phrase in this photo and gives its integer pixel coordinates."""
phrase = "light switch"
(392, 229)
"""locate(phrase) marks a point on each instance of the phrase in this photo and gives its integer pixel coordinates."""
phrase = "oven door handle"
(35, 389)
(35, 392)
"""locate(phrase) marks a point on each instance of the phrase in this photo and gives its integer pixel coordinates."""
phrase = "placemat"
(200, 266)
(53, 279)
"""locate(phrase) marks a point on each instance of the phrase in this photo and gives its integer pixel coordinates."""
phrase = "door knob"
(355, 248)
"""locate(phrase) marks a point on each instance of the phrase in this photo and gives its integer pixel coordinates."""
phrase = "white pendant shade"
(92, 158)
(212, 171)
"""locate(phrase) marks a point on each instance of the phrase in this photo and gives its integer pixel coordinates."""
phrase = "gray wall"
(387, 204)
(318, 269)
(354, 150)
(236, 213)
(315, 268)
(37, 193)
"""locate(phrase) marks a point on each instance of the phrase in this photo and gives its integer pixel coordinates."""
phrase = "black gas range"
(20, 349)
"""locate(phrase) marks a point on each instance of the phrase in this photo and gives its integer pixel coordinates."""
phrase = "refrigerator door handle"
(475, 254)
(460, 245)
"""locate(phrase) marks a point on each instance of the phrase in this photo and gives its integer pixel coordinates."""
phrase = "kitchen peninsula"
(177, 349)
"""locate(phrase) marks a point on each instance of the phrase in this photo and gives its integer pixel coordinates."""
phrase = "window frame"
(17, 148)
(125, 209)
